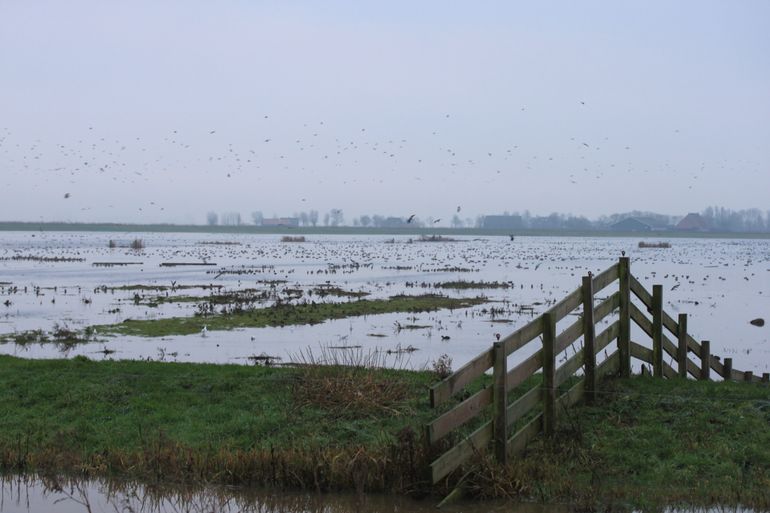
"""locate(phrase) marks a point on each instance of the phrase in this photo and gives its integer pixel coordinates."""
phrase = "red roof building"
(693, 223)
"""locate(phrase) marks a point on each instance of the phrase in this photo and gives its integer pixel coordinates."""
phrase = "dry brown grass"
(395, 468)
(349, 382)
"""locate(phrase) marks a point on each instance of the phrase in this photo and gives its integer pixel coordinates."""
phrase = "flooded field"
(70, 281)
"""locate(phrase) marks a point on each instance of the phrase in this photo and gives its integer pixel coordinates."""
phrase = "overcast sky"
(148, 111)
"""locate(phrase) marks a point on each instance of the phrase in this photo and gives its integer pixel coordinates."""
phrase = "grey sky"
(400, 108)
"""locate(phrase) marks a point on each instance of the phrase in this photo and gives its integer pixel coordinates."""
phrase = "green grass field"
(646, 443)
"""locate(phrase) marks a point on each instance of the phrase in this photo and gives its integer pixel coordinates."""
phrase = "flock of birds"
(311, 155)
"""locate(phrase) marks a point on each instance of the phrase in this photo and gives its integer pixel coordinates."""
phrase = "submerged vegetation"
(60, 335)
(135, 244)
(290, 238)
(655, 245)
(38, 258)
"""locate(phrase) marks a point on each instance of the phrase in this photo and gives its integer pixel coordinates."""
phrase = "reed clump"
(136, 244)
(643, 244)
(396, 468)
(349, 383)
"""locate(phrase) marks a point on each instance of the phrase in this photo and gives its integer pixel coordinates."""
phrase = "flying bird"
(410, 218)
(458, 208)
(66, 195)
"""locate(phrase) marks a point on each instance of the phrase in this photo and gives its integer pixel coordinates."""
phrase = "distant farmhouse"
(640, 224)
(630, 224)
(285, 222)
(503, 222)
(693, 223)
(394, 222)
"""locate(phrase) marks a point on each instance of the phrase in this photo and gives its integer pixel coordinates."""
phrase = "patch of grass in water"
(159, 288)
(244, 296)
(284, 315)
(462, 284)
(26, 337)
(324, 291)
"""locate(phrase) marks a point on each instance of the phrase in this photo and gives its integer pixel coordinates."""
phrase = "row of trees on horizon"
(716, 218)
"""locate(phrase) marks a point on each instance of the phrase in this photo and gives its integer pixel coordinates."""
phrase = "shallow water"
(25, 494)
(721, 283)
(38, 495)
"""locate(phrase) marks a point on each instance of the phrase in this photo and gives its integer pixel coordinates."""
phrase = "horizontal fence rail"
(536, 410)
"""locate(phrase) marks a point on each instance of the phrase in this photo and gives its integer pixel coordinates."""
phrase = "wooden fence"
(541, 404)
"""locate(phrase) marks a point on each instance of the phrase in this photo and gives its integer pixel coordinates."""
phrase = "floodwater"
(33, 495)
(721, 283)
(26, 494)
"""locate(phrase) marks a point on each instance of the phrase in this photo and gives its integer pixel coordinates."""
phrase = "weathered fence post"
(766, 377)
(681, 350)
(657, 331)
(705, 360)
(589, 336)
(500, 397)
(549, 374)
(748, 376)
(624, 337)
(728, 369)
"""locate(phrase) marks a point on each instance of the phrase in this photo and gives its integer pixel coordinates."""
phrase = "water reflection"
(39, 494)
(58, 495)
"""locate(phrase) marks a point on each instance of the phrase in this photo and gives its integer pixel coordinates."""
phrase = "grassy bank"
(307, 427)
(649, 442)
(646, 443)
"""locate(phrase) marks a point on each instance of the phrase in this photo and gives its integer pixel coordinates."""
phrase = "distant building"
(550, 222)
(394, 222)
(502, 222)
(631, 224)
(656, 224)
(287, 222)
(693, 223)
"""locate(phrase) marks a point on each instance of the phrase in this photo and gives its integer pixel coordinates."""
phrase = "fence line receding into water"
(541, 406)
